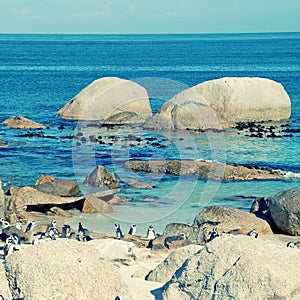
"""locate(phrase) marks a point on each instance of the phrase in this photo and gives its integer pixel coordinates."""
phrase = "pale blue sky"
(152, 16)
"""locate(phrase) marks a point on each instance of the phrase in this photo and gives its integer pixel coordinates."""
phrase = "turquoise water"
(40, 73)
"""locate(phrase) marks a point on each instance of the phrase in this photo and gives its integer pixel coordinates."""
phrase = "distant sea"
(40, 73)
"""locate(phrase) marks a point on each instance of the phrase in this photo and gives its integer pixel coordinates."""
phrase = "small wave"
(290, 174)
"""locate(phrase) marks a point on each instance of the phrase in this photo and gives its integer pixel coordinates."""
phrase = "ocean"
(40, 73)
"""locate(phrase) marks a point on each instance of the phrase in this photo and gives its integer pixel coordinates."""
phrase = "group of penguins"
(82, 234)
(253, 233)
(53, 232)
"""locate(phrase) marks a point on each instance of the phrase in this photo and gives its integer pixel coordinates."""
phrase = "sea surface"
(40, 73)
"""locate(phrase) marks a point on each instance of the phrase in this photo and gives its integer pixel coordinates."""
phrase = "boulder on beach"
(237, 267)
(285, 211)
(111, 100)
(20, 198)
(58, 187)
(63, 269)
(230, 220)
(101, 177)
(220, 103)
(20, 122)
(93, 204)
(164, 271)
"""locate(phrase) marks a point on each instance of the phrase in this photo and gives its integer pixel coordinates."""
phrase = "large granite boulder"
(285, 211)
(58, 187)
(63, 269)
(20, 122)
(221, 102)
(93, 204)
(237, 267)
(109, 99)
(4, 287)
(230, 220)
(164, 271)
(101, 177)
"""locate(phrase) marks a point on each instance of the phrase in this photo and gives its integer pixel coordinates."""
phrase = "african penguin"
(151, 233)
(132, 230)
(253, 234)
(118, 230)
(18, 225)
(213, 234)
(30, 226)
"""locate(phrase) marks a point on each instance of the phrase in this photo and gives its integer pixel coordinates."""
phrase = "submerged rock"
(20, 122)
(285, 211)
(237, 267)
(109, 99)
(1, 197)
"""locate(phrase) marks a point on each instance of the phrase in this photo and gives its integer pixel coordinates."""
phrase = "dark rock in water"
(139, 185)
(52, 186)
(202, 169)
(20, 122)
(285, 211)
(230, 220)
(101, 177)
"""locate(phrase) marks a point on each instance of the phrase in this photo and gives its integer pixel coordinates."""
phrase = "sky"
(149, 16)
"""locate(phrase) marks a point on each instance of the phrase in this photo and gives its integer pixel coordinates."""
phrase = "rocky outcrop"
(2, 144)
(285, 211)
(237, 267)
(202, 169)
(20, 122)
(220, 103)
(111, 100)
(230, 220)
(101, 177)
(49, 185)
(165, 270)
(63, 269)
(20, 200)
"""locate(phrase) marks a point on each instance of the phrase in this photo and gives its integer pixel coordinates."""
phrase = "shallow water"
(40, 73)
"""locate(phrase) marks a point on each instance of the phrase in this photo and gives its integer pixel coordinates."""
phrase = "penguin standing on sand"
(253, 233)
(151, 233)
(36, 239)
(118, 230)
(9, 247)
(30, 226)
(293, 244)
(132, 230)
(66, 231)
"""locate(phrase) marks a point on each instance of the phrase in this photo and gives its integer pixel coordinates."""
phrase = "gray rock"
(238, 267)
(230, 219)
(194, 233)
(111, 99)
(20, 122)
(59, 187)
(165, 270)
(93, 204)
(285, 211)
(101, 177)
(63, 269)
(139, 185)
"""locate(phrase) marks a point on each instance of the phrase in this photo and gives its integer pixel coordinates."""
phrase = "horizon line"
(154, 33)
